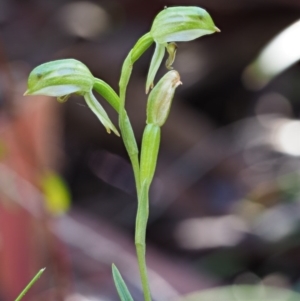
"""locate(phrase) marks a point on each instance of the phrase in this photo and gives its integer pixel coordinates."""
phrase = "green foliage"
(30, 284)
(121, 287)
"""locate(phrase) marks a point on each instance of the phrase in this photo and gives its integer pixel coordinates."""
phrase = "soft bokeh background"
(225, 199)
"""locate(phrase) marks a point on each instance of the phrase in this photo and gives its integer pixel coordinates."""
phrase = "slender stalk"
(30, 284)
(118, 103)
(130, 143)
(149, 153)
(126, 128)
(107, 92)
(134, 159)
(140, 238)
(139, 48)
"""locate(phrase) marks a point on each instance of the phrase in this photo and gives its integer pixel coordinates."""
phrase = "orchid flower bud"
(176, 24)
(62, 78)
(160, 98)
(181, 24)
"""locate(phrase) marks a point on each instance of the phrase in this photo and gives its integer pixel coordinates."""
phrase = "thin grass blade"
(30, 284)
(122, 289)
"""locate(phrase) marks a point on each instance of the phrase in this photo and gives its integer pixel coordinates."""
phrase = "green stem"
(140, 238)
(107, 92)
(130, 143)
(139, 48)
(126, 129)
(149, 153)
(30, 284)
(127, 133)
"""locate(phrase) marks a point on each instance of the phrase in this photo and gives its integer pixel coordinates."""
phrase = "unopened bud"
(160, 98)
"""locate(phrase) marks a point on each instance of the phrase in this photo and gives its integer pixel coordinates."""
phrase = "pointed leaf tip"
(121, 287)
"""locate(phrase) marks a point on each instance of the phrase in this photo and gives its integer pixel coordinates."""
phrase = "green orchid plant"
(63, 78)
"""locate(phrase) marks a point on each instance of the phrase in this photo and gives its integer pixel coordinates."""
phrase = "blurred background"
(225, 201)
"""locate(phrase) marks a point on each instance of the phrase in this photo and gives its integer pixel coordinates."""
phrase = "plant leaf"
(122, 289)
(30, 284)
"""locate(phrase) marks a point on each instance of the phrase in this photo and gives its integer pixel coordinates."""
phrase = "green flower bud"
(181, 24)
(176, 24)
(62, 78)
(160, 98)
